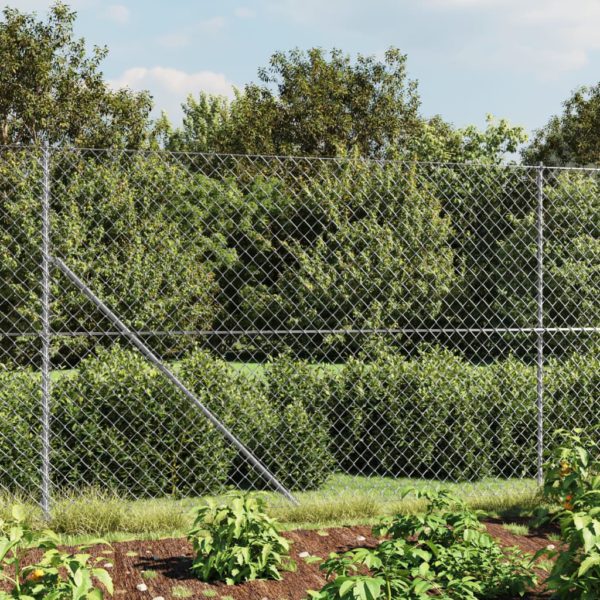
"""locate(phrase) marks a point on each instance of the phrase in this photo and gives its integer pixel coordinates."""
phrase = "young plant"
(395, 570)
(572, 477)
(463, 550)
(576, 572)
(446, 519)
(56, 576)
(237, 541)
(572, 471)
(444, 553)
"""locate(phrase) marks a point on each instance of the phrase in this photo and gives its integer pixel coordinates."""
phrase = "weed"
(149, 574)
(180, 591)
(516, 528)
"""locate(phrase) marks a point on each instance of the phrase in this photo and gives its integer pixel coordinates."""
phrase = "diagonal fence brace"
(148, 354)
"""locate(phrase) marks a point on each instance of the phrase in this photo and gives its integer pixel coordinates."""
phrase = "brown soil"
(163, 565)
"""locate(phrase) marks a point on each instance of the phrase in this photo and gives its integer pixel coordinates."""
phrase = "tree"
(441, 142)
(572, 138)
(315, 103)
(51, 88)
(139, 230)
(206, 125)
(381, 259)
(310, 103)
(571, 258)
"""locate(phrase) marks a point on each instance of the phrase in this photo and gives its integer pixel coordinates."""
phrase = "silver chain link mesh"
(346, 320)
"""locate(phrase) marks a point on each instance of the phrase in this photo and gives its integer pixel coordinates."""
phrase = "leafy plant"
(572, 471)
(572, 477)
(397, 569)
(237, 541)
(445, 553)
(56, 576)
(446, 520)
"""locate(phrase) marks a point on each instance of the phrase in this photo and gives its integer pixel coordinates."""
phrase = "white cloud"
(243, 12)
(545, 37)
(118, 13)
(170, 87)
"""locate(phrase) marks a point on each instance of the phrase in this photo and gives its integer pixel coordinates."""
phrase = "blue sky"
(517, 59)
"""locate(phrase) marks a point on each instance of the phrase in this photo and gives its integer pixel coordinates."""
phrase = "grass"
(180, 591)
(149, 574)
(249, 368)
(343, 500)
(516, 528)
(545, 565)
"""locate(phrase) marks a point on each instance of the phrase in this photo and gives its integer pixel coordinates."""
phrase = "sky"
(517, 59)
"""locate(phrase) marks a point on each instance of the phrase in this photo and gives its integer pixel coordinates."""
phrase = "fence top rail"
(293, 157)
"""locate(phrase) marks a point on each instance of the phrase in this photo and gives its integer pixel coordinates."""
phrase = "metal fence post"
(45, 335)
(540, 323)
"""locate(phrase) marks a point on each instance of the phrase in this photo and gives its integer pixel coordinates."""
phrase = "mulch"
(163, 565)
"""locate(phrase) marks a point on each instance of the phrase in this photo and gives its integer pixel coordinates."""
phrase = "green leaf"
(588, 563)
(346, 587)
(103, 577)
(18, 513)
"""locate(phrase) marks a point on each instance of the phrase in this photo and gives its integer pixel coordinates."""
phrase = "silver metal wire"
(344, 324)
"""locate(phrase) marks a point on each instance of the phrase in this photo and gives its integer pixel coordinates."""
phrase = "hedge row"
(117, 423)
(354, 245)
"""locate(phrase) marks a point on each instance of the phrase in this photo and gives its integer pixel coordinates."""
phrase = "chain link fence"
(173, 324)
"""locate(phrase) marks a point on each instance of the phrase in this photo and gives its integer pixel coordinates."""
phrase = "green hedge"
(20, 431)
(344, 246)
(118, 423)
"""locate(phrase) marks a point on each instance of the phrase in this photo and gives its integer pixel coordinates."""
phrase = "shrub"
(119, 424)
(509, 412)
(20, 433)
(239, 400)
(279, 416)
(299, 444)
(572, 386)
(236, 542)
(414, 418)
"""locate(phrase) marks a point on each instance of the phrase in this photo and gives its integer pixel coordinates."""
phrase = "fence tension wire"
(148, 354)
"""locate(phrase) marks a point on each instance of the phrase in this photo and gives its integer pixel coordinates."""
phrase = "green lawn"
(250, 368)
(343, 500)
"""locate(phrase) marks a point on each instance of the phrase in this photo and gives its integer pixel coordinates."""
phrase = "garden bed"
(164, 565)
